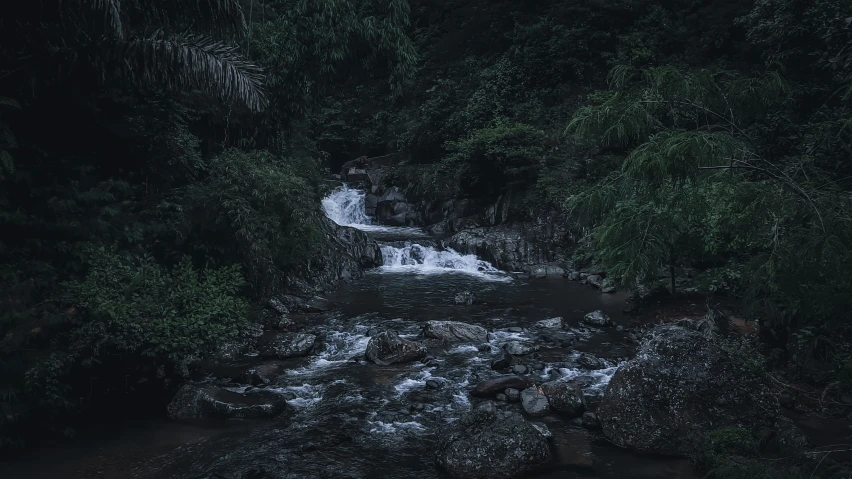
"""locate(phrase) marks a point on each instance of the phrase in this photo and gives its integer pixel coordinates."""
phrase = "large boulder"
(201, 401)
(455, 331)
(681, 385)
(285, 345)
(597, 318)
(492, 445)
(388, 348)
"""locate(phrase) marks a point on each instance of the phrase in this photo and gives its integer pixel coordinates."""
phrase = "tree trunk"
(672, 274)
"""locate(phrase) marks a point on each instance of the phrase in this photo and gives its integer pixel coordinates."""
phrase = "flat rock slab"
(491, 387)
(455, 331)
(202, 401)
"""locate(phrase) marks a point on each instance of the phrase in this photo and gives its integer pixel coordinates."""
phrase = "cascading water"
(346, 207)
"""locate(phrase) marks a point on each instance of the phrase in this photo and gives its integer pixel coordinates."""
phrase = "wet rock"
(263, 373)
(455, 331)
(317, 304)
(590, 361)
(597, 318)
(515, 329)
(519, 369)
(433, 384)
(680, 386)
(373, 331)
(196, 401)
(516, 246)
(607, 286)
(286, 345)
(465, 297)
(417, 407)
(519, 348)
(552, 323)
(538, 366)
(492, 445)
(542, 429)
(487, 406)
(513, 395)
(388, 348)
(590, 421)
(563, 398)
(502, 397)
(278, 306)
(592, 398)
(534, 402)
(491, 387)
(573, 276)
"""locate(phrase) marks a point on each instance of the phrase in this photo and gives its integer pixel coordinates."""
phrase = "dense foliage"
(706, 135)
(159, 176)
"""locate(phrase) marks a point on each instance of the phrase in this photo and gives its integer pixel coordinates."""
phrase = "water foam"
(415, 258)
(345, 206)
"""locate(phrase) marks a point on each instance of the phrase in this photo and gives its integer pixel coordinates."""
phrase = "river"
(353, 419)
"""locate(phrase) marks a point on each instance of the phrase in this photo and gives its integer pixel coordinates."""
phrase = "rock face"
(197, 401)
(455, 331)
(346, 253)
(534, 402)
(680, 386)
(492, 445)
(286, 345)
(388, 348)
(514, 246)
(597, 318)
(564, 398)
(496, 385)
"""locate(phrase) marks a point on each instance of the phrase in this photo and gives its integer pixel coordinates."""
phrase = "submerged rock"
(492, 445)
(455, 331)
(491, 387)
(534, 402)
(590, 361)
(201, 401)
(519, 348)
(597, 318)
(388, 348)
(680, 386)
(552, 323)
(286, 345)
(465, 297)
(564, 398)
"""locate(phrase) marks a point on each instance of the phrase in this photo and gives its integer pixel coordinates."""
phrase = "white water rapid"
(346, 207)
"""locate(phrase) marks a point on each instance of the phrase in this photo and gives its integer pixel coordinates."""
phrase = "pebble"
(433, 384)
(516, 329)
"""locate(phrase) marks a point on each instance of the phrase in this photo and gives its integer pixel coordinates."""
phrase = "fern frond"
(193, 61)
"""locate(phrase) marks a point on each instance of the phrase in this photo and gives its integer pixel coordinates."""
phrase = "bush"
(258, 209)
(503, 154)
(131, 304)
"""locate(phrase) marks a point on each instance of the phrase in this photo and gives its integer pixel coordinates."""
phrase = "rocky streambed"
(436, 365)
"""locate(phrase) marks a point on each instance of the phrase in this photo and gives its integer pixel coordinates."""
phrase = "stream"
(353, 419)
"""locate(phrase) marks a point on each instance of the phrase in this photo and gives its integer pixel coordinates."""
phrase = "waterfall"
(345, 206)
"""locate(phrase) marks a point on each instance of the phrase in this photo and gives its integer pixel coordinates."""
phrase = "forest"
(162, 165)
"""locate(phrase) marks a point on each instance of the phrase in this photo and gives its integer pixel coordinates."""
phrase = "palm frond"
(112, 13)
(192, 61)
